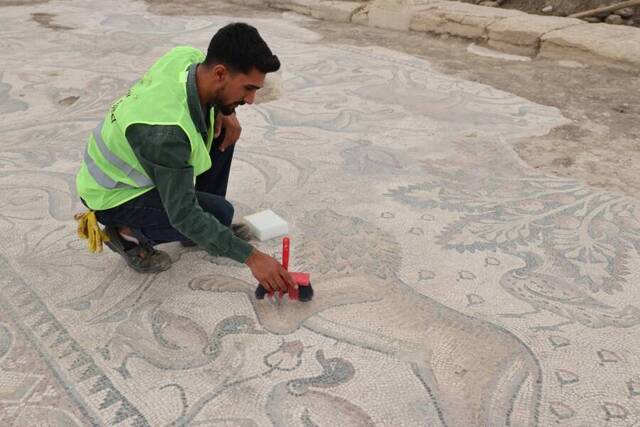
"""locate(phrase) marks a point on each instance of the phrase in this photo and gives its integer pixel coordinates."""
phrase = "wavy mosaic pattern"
(454, 286)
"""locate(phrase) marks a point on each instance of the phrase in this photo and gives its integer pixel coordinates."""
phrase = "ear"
(220, 72)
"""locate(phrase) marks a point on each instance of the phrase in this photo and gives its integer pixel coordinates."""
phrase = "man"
(156, 169)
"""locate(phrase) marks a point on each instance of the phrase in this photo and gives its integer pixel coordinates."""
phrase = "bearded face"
(237, 89)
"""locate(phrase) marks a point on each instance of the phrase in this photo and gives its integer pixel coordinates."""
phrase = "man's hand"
(269, 272)
(232, 130)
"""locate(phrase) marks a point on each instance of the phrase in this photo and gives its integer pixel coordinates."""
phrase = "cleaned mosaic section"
(454, 286)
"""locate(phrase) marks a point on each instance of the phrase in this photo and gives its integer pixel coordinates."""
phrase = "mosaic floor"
(454, 286)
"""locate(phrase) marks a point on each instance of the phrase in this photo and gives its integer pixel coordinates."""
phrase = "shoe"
(242, 231)
(141, 258)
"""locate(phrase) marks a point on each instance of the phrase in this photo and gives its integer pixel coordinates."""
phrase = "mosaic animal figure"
(170, 341)
(544, 291)
(296, 402)
(475, 372)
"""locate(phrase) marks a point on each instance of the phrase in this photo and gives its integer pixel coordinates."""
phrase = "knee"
(217, 206)
(226, 214)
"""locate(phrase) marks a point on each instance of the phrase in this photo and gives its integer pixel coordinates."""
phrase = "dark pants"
(146, 215)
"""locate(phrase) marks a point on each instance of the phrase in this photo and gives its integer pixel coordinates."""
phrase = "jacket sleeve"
(164, 153)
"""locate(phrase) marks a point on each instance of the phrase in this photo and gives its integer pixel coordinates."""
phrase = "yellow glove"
(88, 228)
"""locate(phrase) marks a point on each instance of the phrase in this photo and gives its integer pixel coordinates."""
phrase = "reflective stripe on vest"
(100, 177)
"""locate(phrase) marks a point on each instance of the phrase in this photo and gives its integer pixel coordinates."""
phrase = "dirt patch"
(561, 7)
(46, 20)
(599, 148)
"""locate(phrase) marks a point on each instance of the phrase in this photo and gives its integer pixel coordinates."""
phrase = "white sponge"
(266, 225)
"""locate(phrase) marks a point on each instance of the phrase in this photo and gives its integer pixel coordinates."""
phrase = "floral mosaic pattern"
(453, 286)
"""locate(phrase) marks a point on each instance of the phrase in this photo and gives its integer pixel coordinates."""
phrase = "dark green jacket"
(164, 152)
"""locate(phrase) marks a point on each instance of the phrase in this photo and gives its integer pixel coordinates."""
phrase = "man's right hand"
(269, 272)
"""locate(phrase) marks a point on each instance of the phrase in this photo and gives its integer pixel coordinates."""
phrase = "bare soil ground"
(560, 7)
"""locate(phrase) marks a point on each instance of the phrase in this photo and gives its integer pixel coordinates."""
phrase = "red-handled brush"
(304, 292)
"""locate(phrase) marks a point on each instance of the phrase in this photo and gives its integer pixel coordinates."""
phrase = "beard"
(229, 109)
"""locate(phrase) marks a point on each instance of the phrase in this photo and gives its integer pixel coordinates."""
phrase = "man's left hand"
(232, 130)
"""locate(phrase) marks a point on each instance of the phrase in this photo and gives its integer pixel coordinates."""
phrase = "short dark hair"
(240, 47)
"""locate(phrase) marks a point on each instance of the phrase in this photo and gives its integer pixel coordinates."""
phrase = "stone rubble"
(614, 19)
